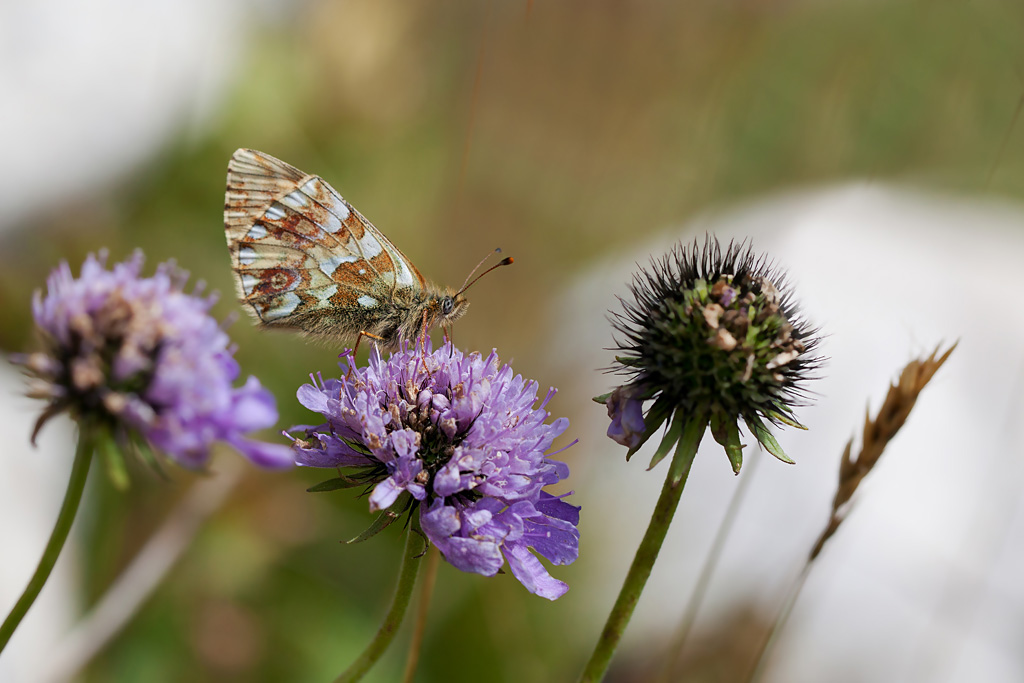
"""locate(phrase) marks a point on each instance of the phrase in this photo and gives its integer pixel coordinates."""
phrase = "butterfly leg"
(448, 337)
(423, 345)
(362, 333)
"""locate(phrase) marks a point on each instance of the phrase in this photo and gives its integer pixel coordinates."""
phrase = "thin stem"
(646, 554)
(710, 564)
(129, 591)
(426, 590)
(780, 622)
(393, 619)
(66, 516)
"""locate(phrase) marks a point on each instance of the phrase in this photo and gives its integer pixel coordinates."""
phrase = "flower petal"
(532, 574)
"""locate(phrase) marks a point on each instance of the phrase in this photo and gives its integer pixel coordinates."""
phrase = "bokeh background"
(579, 137)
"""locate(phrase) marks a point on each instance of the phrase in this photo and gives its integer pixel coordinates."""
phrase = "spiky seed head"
(712, 333)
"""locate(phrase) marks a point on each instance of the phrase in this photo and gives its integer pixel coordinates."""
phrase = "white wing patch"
(369, 246)
(404, 276)
(283, 306)
(295, 200)
(249, 283)
(246, 256)
(328, 266)
(322, 193)
(257, 232)
(324, 294)
(367, 301)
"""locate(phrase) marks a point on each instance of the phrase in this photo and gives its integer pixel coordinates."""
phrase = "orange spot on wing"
(274, 281)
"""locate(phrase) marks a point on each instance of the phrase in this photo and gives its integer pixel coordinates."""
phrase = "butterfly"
(304, 259)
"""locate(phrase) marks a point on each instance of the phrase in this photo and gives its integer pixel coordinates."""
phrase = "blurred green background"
(559, 131)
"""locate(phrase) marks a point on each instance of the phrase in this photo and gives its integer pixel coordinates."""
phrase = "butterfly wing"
(303, 257)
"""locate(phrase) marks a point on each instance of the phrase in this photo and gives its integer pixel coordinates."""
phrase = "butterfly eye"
(447, 305)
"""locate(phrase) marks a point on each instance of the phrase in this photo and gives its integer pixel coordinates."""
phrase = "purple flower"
(627, 414)
(465, 439)
(143, 358)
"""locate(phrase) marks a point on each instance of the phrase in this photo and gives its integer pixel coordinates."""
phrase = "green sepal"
(113, 459)
(340, 482)
(727, 434)
(672, 434)
(628, 361)
(785, 419)
(145, 453)
(752, 334)
(386, 518)
(693, 432)
(655, 417)
(766, 439)
(700, 287)
(602, 399)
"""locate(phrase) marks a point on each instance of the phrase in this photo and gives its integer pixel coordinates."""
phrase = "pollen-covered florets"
(138, 357)
(710, 333)
(460, 438)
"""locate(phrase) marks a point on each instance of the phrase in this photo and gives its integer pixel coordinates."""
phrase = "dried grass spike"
(877, 434)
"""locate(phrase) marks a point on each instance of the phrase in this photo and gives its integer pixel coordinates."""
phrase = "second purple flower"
(461, 440)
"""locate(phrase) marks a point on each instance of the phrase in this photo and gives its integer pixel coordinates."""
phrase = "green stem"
(764, 653)
(66, 516)
(393, 619)
(700, 589)
(426, 589)
(647, 553)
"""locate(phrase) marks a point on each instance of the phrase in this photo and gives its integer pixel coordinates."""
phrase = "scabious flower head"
(141, 358)
(459, 440)
(710, 336)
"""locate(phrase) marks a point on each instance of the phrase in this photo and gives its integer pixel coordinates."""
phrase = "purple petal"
(532, 574)
(384, 495)
(627, 427)
(269, 455)
(312, 398)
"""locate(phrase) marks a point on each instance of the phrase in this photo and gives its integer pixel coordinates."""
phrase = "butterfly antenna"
(477, 267)
(507, 261)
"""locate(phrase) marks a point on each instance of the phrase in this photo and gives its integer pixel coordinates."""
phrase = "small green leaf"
(785, 419)
(752, 335)
(727, 433)
(385, 519)
(335, 484)
(766, 439)
(602, 399)
(672, 434)
(700, 286)
(113, 458)
(686, 450)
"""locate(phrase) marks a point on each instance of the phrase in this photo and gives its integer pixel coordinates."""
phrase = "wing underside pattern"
(298, 248)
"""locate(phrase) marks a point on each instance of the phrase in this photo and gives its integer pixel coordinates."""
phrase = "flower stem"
(647, 553)
(700, 589)
(66, 516)
(426, 589)
(765, 651)
(393, 619)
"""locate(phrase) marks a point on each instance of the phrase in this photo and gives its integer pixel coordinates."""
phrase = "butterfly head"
(445, 307)
(449, 307)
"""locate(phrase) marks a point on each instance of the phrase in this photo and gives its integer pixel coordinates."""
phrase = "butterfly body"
(305, 260)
